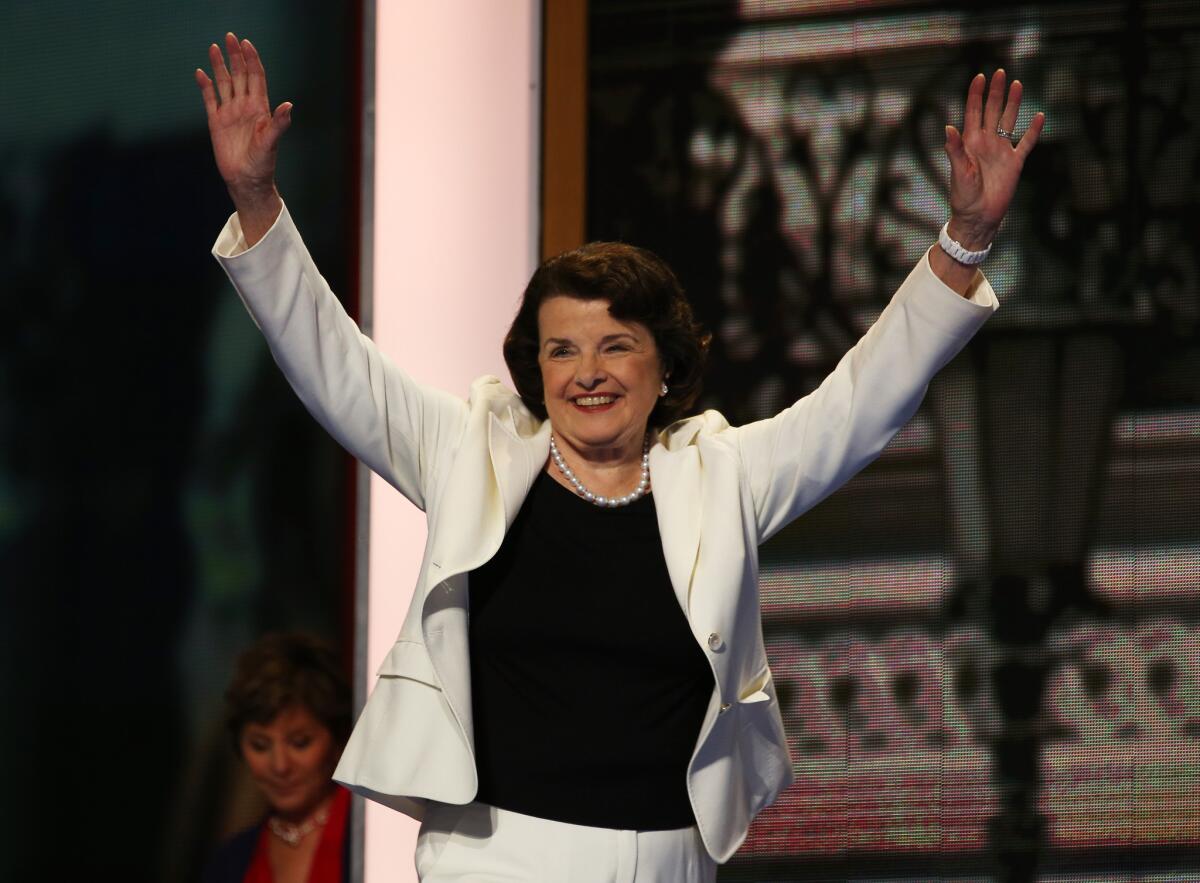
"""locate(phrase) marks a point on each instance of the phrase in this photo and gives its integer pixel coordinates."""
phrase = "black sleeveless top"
(588, 688)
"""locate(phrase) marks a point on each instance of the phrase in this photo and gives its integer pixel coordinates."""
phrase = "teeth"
(587, 401)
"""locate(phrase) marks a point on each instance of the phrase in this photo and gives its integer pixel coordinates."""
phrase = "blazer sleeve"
(396, 426)
(795, 459)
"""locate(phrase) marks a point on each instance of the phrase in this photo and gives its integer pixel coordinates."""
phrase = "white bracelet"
(955, 249)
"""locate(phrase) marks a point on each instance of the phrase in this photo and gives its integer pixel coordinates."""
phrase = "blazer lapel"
(516, 461)
(483, 496)
(675, 478)
(485, 493)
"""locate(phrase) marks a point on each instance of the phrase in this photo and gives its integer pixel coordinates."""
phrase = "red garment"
(327, 861)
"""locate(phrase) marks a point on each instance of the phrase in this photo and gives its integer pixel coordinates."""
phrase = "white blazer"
(720, 492)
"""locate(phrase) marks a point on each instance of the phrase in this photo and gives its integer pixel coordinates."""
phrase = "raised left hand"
(985, 166)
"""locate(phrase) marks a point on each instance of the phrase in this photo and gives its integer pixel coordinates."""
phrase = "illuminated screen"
(986, 645)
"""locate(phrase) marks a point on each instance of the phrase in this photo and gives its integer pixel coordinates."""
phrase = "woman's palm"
(245, 134)
(985, 166)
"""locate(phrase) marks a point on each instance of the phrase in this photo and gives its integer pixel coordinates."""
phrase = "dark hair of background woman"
(284, 669)
(640, 287)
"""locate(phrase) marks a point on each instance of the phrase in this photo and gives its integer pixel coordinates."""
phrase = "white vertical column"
(454, 242)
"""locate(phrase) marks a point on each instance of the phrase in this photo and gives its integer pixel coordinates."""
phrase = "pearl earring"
(664, 389)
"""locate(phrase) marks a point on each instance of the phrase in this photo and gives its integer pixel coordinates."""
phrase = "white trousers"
(478, 843)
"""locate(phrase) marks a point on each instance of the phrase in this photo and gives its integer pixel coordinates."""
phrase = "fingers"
(237, 64)
(954, 146)
(207, 93)
(1029, 139)
(245, 75)
(220, 73)
(995, 101)
(256, 74)
(282, 118)
(973, 116)
(962, 166)
(280, 121)
(1008, 119)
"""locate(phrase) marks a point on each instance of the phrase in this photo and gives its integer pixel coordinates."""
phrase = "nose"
(588, 372)
(281, 761)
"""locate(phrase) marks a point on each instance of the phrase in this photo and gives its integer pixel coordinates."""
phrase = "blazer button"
(715, 644)
(724, 707)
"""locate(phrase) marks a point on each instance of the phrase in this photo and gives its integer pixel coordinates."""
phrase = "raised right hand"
(245, 134)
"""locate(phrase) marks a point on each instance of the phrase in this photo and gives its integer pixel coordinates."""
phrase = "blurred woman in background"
(289, 714)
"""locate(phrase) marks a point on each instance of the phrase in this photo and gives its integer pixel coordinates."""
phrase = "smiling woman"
(605, 345)
(635, 286)
(288, 710)
(601, 378)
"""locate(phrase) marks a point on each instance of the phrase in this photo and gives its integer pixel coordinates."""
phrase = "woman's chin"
(598, 441)
(292, 804)
(598, 433)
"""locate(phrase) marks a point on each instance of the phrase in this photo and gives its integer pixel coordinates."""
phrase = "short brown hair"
(639, 287)
(283, 669)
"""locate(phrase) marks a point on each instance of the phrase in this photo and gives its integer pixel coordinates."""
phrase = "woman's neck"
(606, 471)
(301, 816)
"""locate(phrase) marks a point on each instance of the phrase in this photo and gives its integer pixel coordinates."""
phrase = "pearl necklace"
(293, 834)
(609, 502)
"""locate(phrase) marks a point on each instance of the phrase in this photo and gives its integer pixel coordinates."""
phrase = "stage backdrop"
(454, 233)
(987, 645)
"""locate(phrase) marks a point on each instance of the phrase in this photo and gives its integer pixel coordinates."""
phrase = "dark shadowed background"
(163, 496)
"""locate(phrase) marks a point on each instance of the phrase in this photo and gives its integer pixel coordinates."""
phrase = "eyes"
(298, 741)
(565, 352)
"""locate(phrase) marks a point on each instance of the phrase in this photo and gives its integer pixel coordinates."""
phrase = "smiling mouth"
(594, 401)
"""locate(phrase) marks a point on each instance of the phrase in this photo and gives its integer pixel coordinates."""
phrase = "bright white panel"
(455, 233)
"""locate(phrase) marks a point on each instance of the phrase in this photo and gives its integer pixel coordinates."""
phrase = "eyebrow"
(605, 339)
(253, 727)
